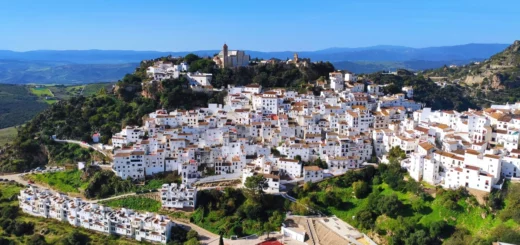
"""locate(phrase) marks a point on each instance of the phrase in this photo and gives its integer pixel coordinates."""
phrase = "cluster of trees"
(11, 225)
(77, 118)
(106, 183)
(270, 75)
(180, 236)
(69, 153)
(377, 204)
(318, 162)
(169, 92)
(512, 197)
(367, 185)
(239, 212)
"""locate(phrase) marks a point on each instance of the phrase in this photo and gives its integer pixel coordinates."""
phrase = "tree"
(75, 238)
(274, 222)
(178, 235)
(256, 184)
(361, 189)
(221, 240)
(192, 234)
(505, 234)
(5, 241)
(389, 205)
(102, 91)
(189, 58)
(23, 228)
(396, 153)
(202, 65)
(366, 219)
(36, 239)
(298, 157)
(417, 238)
(302, 206)
(192, 241)
(438, 228)
(418, 204)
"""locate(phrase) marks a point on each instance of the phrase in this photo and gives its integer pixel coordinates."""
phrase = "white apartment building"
(289, 167)
(183, 197)
(336, 81)
(312, 174)
(125, 222)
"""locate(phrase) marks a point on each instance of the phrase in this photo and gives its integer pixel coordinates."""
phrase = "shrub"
(361, 189)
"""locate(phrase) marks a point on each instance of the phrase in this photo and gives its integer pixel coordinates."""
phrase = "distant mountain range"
(52, 72)
(84, 66)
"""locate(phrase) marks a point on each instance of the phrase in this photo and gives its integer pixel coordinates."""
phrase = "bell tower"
(225, 54)
(295, 58)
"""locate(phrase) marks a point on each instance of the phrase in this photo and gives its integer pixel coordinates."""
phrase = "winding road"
(83, 144)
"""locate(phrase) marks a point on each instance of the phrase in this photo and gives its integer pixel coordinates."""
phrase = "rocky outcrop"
(496, 82)
(473, 79)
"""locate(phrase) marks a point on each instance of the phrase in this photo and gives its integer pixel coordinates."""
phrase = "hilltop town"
(283, 142)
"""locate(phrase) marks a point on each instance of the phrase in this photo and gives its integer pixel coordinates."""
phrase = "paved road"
(83, 144)
(18, 178)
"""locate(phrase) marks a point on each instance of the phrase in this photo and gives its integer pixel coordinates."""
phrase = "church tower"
(225, 54)
(295, 58)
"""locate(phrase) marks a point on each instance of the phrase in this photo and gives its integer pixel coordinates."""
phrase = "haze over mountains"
(86, 66)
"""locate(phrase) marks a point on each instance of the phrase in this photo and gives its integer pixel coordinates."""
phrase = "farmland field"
(18, 105)
(41, 91)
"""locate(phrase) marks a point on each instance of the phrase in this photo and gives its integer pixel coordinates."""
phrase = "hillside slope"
(18, 105)
(501, 71)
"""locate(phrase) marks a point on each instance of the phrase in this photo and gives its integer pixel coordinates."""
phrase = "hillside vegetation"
(18, 105)
(7, 135)
(238, 212)
(496, 79)
(397, 211)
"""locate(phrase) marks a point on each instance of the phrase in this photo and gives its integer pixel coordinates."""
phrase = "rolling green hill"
(18, 105)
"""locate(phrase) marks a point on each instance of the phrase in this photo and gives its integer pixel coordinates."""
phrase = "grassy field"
(8, 190)
(42, 91)
(136, 203)
(64, 181)
(50, 101)
(7, 135)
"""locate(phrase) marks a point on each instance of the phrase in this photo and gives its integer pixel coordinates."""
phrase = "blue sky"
(255, 25)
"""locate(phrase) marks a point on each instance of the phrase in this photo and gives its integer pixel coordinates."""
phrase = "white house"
(312, 174)
(178, 196)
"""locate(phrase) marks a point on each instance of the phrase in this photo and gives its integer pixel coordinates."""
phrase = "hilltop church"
(231, 58)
